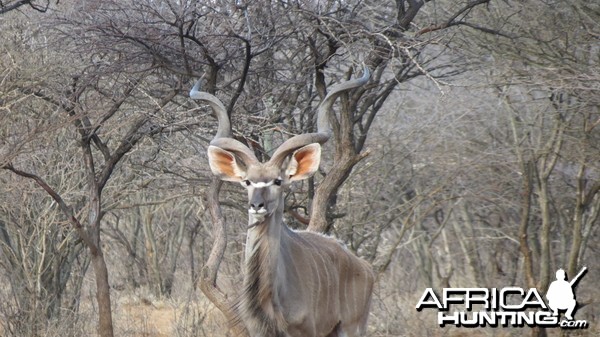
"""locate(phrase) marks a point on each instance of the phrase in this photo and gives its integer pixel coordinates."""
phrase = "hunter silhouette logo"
(508, 306)
(561, 294)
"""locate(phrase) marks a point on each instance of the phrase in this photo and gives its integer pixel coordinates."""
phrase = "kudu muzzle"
(257, 202)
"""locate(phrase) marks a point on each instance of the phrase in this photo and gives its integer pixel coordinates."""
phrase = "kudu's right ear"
(224, 165)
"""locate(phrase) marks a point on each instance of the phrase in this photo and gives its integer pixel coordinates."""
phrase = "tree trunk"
(319, 221)
(105, 325)
(208, 274)
(526, 193)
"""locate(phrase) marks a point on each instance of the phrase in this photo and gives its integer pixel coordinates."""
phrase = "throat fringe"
(257, 307)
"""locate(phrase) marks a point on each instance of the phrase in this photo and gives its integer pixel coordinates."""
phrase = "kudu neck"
(265, 235)
(265, 243)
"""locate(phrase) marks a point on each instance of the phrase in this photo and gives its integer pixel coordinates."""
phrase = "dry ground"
(142, 317)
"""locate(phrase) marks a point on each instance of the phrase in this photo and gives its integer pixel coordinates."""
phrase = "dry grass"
(187, 313)
(392, 315)
(147, 317)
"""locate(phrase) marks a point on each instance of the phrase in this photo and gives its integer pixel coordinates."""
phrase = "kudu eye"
(247, 182)
(277, 182)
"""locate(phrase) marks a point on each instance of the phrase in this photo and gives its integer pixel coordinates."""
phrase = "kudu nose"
(257, 207)
(257, 201)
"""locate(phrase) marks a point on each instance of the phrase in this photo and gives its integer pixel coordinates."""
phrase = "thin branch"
(61, 203)
(453, 21)
(17, 4)
(245, 70)
(132, 137)
(302, 219)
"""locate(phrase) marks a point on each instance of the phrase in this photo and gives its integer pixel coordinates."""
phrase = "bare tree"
(99, 156)
(41, 255)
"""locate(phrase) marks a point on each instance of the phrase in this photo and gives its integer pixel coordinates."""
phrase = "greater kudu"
(296, 283)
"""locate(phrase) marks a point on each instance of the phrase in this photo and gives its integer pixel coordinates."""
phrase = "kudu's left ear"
(304, 162)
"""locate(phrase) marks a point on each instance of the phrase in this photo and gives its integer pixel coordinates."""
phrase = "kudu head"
(296, 159)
